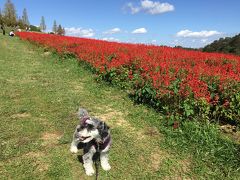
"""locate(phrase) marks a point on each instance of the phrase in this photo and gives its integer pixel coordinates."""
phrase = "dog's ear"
(82, 113)
(103, 129)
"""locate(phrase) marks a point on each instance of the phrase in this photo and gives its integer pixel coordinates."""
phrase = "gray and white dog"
(94, 135)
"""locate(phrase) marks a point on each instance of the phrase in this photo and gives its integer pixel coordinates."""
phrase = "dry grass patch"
(152, 132)
(39, 163)
(157, 157)
(50, 139)
(77, 87)
(185, 165)
(115, 118)
(21, 115)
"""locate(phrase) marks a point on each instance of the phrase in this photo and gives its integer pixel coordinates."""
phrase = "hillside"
(225, 45)
(39, 97)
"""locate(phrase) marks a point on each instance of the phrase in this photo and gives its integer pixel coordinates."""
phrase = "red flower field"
(158, 72)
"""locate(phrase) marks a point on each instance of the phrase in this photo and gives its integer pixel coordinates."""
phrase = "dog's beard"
(86, 136)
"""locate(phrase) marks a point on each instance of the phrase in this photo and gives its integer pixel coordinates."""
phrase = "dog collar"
(104, 144)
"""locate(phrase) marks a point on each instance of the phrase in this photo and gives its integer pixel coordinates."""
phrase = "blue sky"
(188, 23)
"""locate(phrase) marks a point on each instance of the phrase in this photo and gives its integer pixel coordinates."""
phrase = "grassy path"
(38, 100)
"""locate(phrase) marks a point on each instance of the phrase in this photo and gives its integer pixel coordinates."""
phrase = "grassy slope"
(38, 100)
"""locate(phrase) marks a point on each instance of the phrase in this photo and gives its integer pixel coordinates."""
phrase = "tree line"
(9, 18)
(225, 45)
(229, 45)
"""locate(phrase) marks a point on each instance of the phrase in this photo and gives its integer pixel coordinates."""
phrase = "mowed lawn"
(39, 97)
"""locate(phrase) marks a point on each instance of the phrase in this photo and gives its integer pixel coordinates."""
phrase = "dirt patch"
(50, 139)
(185, 165)
(113, 117)
(116, 119)
(35, 154)
(151, 131)
(21, 115)
(42, 167)
(157, 158)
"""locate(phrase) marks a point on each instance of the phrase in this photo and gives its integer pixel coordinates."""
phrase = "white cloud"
(139, 31)
(79, 32)
(156, 7)
(133, 9)
(200, 34)
(113, 31)
(204, 40)
(111, 39)
(151, 7)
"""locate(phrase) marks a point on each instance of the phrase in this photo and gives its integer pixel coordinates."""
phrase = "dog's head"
(90, 128)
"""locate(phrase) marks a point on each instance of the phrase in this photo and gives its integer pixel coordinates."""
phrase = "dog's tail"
(82, 113)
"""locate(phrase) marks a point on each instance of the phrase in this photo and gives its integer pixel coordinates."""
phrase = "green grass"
(40, 93)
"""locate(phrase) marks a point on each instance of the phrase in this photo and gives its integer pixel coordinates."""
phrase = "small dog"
(94, 135)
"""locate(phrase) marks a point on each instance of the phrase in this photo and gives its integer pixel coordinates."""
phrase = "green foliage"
(224, 106)
(201, 138)
(34, 28)
(54, 29)
(25, 18)
(9, 14)
(225, 45)
(42, 26)
(60, 30)
(1, 17)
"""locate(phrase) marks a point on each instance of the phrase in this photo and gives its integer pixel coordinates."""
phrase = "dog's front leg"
(88, 162)
(75, 141)
(104, 161)
(74, 145)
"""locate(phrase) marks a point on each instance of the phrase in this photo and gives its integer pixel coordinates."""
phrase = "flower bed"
(182, 84)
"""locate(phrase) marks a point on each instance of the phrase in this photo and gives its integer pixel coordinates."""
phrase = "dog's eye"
(80, 128)
(90, 126)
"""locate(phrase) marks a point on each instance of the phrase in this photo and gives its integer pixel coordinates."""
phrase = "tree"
(9, 14)
(25, 18)
(43, 26)
(1, 17)
(60, 30)
(55, 28)
(63, 31)
(225, 45)
(20, 23)
(35, 28)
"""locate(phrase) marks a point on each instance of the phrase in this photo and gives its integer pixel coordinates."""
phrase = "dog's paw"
(74, 149)
(106, 166)
(89, 171)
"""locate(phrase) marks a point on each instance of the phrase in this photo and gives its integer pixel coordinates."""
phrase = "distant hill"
(225, 45)
(188, 48)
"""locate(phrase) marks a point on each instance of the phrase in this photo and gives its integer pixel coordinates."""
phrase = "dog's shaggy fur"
(94, 136)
